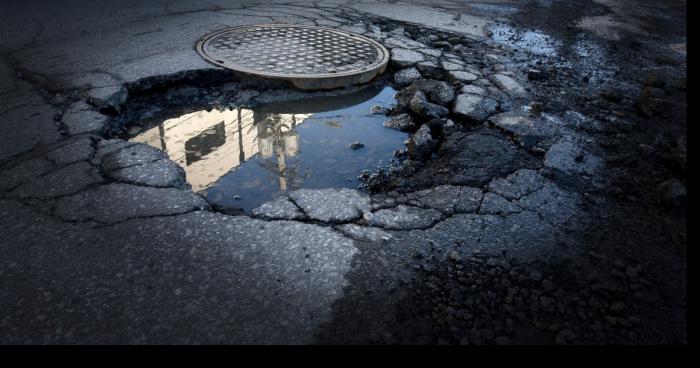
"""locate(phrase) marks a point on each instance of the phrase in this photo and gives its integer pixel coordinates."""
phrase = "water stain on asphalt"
(242, 157)
(533, 41)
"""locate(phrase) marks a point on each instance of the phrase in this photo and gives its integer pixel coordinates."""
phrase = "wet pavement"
(540, 196)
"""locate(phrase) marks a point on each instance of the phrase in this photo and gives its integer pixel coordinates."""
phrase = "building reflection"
(209, 144)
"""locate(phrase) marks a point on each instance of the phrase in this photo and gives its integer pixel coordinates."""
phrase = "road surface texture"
(540, 200)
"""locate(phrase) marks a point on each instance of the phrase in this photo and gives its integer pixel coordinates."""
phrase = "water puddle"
(533, 41)
(241, 158)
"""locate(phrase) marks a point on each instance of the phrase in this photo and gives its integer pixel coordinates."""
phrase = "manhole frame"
(303, 81)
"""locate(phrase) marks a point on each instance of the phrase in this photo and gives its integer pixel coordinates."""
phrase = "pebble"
(377, 109)
(535, 74)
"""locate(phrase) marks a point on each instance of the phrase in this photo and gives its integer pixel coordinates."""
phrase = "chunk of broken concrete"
(403, 42)
(404, 218)
(569, 156)
(407, 76)
(451, 66)
(83, 118)
(402, 122)
(461, 76)
(161, 173)
(279, 209)
(404, 58)
(508, 84)
(448, 199)
(518, 184)
(431, 70)
(130, 155)
(364, 233)
(525, 129)
(473, 108)
(420, 106)
(331, 205)
(438, 92)
(421, 144)
(474, 90)
(493, 204)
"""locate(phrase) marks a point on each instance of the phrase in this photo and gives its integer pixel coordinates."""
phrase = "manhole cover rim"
(375, 68)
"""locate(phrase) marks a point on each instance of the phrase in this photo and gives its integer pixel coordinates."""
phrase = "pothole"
(241, 145)
(243, 156)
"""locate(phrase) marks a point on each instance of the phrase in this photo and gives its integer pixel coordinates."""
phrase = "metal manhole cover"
(310, 57)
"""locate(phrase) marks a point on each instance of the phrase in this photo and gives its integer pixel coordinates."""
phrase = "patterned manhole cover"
(309, 57)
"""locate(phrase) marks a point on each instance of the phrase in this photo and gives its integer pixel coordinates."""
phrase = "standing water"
(242, 158)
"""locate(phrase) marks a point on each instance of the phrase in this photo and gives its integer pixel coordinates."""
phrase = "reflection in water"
(209, 144)
(244, 157)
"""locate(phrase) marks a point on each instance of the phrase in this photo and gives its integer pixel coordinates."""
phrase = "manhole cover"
(309, 57)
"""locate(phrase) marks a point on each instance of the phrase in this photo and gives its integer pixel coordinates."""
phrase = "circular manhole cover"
(309, 57)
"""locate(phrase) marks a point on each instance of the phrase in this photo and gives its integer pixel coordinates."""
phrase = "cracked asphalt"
(541, 198)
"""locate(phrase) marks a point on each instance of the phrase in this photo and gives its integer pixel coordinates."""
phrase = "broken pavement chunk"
(331, 205)
(404, 218)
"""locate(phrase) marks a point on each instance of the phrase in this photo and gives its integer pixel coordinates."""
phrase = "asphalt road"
(90, 255)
